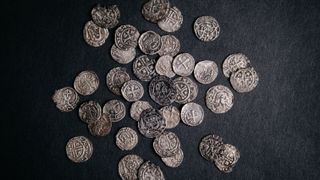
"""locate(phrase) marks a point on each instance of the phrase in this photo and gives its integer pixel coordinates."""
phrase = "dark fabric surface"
(275, 127)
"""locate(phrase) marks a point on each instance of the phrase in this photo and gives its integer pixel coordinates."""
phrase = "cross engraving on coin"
(192, 114)
(219, 99)
(151, 123)
(155, 10)
(162, 90)
(227, 157)
(123, 56)
(126, 138)
(101, 127)
(150, 42)
(116, 78)
(132, 90)
(234, 62)
(66, 99)
(150, 171)
(173, 21)
(105, 17)
(94, 35)
(244, 80)
(187, 90)
(164, 66)
(90, 111)
(166, 144)
(126, 37)
(171, 115)
(128, 167)
(175, 160)
(144, 68)
(79, 149)
(206, 28)
(86, 83)
(183, 64)
(115, 110)
(137, 108)
(209, 146)
(170, 45)
(206, 71)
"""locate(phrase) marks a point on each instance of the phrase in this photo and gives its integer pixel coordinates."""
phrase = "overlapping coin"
(126, 138)
(151, 123)
(66, 99)
(244, 80)
(209, 146)
(137, 108)
(132, 90)
(128, 167)
(206, 71)
(187, 90)
(233, 63)
(105, 17)
(192, 114)
(79, 149)
(94, 35)
(115, 110)
(164, 66)
(86, 83)
(148, 171)
(155, 10)
(162, 90)
(170, 45)
(175, 160)
(150, 42)
(144, 68)
(171, 115)
(126, 37)
(167, 144)
(172, 21)
(206, 28)
(183, 64)
(227, 157)
(219, 99)
(100, 127)
(123, 56)
(90, 111)
(116, 77)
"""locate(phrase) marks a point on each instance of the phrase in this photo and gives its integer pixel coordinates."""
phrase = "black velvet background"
(275, 127)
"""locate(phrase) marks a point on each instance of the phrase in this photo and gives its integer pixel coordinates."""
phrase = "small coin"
(155, 10)
(128, 167)
(126, 37)
(123, 56)
(79, 149)
(192, 114)
(183, 64)
(148, 171)
(164, 66)
(86, 83)
(206, 28)
(173, 21)
(244, 80)
(115, 110)
(227, 157)
(233, 63)
(206, 72)
(132, 90)
(101, 127)
(151, 123)
(150, 42)
(187, 90)
(105, 17)
(162, 90)
(90, 111)
(137, 107)
(126, 138)
(171, 115)
(170, 45)
(166, 144)
(116, 78)
(94, 35)
(144, 68)
(209, 146)
(219, 99)
(66, 99)
(174, 161)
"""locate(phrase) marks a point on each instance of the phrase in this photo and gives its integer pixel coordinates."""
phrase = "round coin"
(116, 78)
(101, 127)
(219, 99)
(105, 17)
(171, 115)
(155, 10)
(90, 111)
(94, 35)
(227, 157)
(206, 28)
(244, 80)
(126, 37)
(234, 62)
(123, 56)
(150, 42)
(209, 146)
(166, 144)
(137, 107)
(164, 66)
(144, 68)
(79, 149)
(170, 45)
(162, 90)
(126, 138)
(192, 114)
(206, 72)
(128, 167)
(151, 123)
(183, 64)
(115, 110)
(174, 161)
(187, 90)
(86, 83)
(173, 21)
(66, 99)
(132, 90)
(148, 171)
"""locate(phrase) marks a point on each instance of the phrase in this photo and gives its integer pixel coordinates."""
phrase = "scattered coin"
(166, 144)
(126, 37)
(115, 110)
(192, 114)
(206, 72)
(94, 35)
(206, 28)
(123, 56)
(66, 99)
(164, 66)
(183, 64)
(209, 146)
(126, 138)
(148, 171)
(233, 63)
(151, 123)
(101, 127)
(219, 99)
(150, 42)
(90, 111)
(155, 10)
(116, 78)
(162, 90)
(86, 83)
(132, 90)
(244, 80)
(137, 107)
(173, 21)
(79, 149)
(171, 115)
(128, 167)
(170, 45)
(144, 68)
(174, 161)
(187, 90)
(227, 157)
(105, 17)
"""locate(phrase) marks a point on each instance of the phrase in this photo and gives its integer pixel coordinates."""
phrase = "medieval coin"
(116, 78)
(132, 90)
(170, 45)
(219, 99)
(171, 115)
(173, 21)
(148, 171)
(106, 17)
(150, 42)
(166, 144)
(86, 83)
(155, 10)
(123, 56)
(192, 114)
(144, 68)
(90, 111)
(183, 64)
(137, 107)
(79, 149)
(164, 66)
(151, 123)
(244, 80)
(128, 167)
(233, 63)
(66, 99)
(162, 90)
(94, 35)
(227, 157)
(126, 138)
(187, 90)
(175, 160)
(126, 37)
(115, 110)
(101, 127)
(206, 72)
(206, 28)
(209, 146)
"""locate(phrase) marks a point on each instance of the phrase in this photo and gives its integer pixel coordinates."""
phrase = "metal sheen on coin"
(227, 157)
(162, 90)
(126, 37)
(116, 77)
(126, 138)
(144, 68)
(101, 127)
(244, 80)
(167, 144)
(94, 35)
(192, 114)
(150, 42)
(123, 56)
(79, 149)
(115, 110)
(128, 167)
(105, 17)
(206, 71)
(90, 111)
(151, 123)
(206, 28)
(86, 83)
(132, 90)
(187, 90)
(233, 63)
(155, 10)
(66, 99)
(137, 108)
(171, 115)
(148, 171)
(183, 64)
(173, 21)
(175, 160)
(170, 45)
(219, 99)
(164, 66)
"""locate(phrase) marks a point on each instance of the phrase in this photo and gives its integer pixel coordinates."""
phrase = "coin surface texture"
(166, 144)
(116, 77)
(66, 99)
(106, 17)
(173, 21)
(192, 114)
(175, 160)
(94, 35)
(164, 66)
(187, 90)
(209, 146)
(227, 157)
(206, 28)
(128, 167)
(219, 99)
(170, 45)
(183, 64)
(79, 149)
(137, 108)
(86, 83)
(115, 110)
(234, 62)
(126, 138)
(206, 72)
(151, 123)
(101, 127)
(123, 56)
(132, 90)
(150, 42)
(150, 171)
(90, 111)
(171, 115)
(126, 37)
(155, 10)
(244, 80)
(162, 90)
(144, 68)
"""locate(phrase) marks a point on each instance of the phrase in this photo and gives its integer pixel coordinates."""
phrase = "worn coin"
(86, 83)
(106, 17)
(210, 146)
(101, 127)
(90, 111)
(66, 99)
(187, 90)
(175, 160)
(206, 72)
(233, 63)
(94, 35)
(132, 90)
(173, 21)
(164, 66)
(115, 110)
(167, 144)
(128, 167)
(137, 107)
(155, 10)
(183, 64)
(144, 68)
(79, 149)
(192, 114)
(162, 90)
(123, 56)
(219, 99)
(150, 171)
(206, 28)
(171, 115)
(151, 123)
(170, 45)
(150, 42)
(244, 80)
(116, 78)
(227, 157)
(126, 37)
(126, 138)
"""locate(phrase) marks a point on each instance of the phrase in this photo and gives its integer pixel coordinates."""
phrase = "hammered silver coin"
(86, 83)
(183, 64)
(101, 127)
(137, 108)
(128, 167)
(66, 99)
(219, 99)
(227, 157)
(151, 123)
(209, 146)
(94, 35)
(170, 45)
(150, 171)
(79, 149)
(175, 160)
(244, 80)
(132, 90)
(162, 90)
(90, 111)
(155, 10)
(106, 17)
(233, 63)
(115, 110)
(192, 114)
(150, 42)
(171, 114)
(173, 21)
(164, 66)
(126, 37)
(206, 71)
(123, 56)
(116, 77)
(144, 68)
(167, 144)
(206, 28)
(126, 138)
(187, 90)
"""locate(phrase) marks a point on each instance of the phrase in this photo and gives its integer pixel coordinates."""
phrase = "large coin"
(219, 99)
(210, 146)
(183, 64)
(151, 123)
(170, 45)
(94, 35)
(234, 62)
(79, 149)
(174, 161)
(155, 10)
(171, 115)
(150, 171)
(126, 37)
(137, 108)
(66, 99)
(128, 167)
(244, 80)
(126, 138)
(116, 78)
(105, 17)
(132, 90)
(206, 28)
(86, 83)
(187, 90)
(192, 114)
(166, 144)
(164, 66)
(173, 21)
(123, 56)
(144, 68)
(150, 42)
(115, 110)
(227, 157)
(162, 90)
(90, 111)
(206, 72)
(101, 127)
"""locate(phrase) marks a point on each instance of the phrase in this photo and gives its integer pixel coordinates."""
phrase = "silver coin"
(166, 144)
(227, 157)
(128, 167)
(164, 66)
(234, 62)
(192, 114)
(79, 149)
(206, 72)
(206, 28)
(151, 123)
(187, 90)
(174, 161)
(150, 171)
(105, 17)
(183, 64)
(219, 99)
(170, 45)
(86, 83)
(162, 90)
(171, 115)
(137, 108)
(94, 35)
(126, 37)
(144, 68)
(132, 90)
(101, 127)
(126, 138)
(123, 56)
(150, 42)
(244, 80)
(115, 110)
(90, 111)
(116, 78)
(173, 21)
(209, 146)
(66, 99)
(155, 10)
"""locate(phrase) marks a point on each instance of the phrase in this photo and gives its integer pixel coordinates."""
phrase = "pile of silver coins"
(163, 89)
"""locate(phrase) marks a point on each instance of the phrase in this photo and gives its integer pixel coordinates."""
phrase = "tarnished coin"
(144, 68)
(244, 80)
(116, 78)
(155, 10)
(66, 99)
(90, 111)
(79, 149)
(132, 90)
(183, 64)
(164, 66)
(151, 123)
(94, 35)
(219, 99)
(166, 144)
(162, 90)
(175, 160)
(170, 45)
(150, 42)
(126, 37)
(137, 108)
(171, 115)
(86, 83)
(187, 90)
(115, 110)
(227, 157)
(126, 138)
(128, 167)
(173, 21)
(150, 171)
(105, 17)
(206, 28)
(234, 62)
(101, 127)
(206, 72)
(123, 56)
(209, 146)
(192, 114)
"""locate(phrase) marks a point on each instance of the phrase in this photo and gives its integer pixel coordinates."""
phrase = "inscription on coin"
(116, 78)
(244, 80)
(227, 157)
(166, 144)
(148, 171)
(206, 72)
(173, 21)
(123, 56)
(162, 90)
(183, 64)
(79, 149)
(94, 35)
(106, 17)
(187, 90)
(219, 99)
(66, 99)
(126, 138)
(137, 108)
(126, 37)
(132, 90)
(171, 115)
(206, 28)
(164, 66)
(155, 10)
(115, 110)
(151, 123)
(101, 127)
(150, 42)
(128, 167)
(86, 83)
(209, 146)
(90, 111)
(192, 114)
(174, 161)
(144, 68)
(234, 62)
(170, 45)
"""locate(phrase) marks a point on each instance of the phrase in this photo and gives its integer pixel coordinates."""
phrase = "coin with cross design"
(162, 90)
(155, 10)
(144, 68)
(173, 21)
(183, 64)
(206, 28)
(79, 149)
(151, 123)
(126, 37)
(192, 114)
(132, 90)
(187, 90)
(66, 99)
